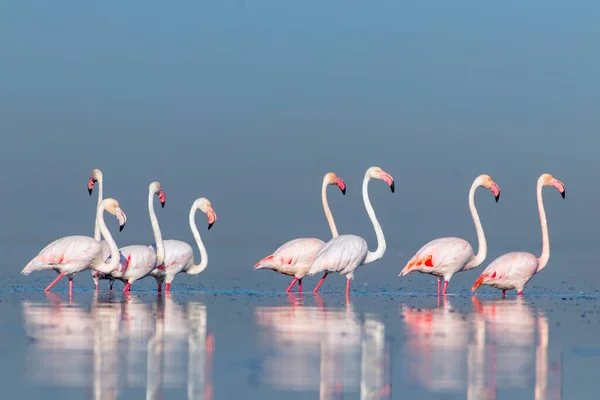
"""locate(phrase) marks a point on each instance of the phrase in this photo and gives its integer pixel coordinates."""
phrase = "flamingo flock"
(297, 258)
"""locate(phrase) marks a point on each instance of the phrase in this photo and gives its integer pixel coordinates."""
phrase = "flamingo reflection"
(324, 349)
(120, 344)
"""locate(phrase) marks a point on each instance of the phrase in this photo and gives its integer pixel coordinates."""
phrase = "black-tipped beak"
(210, 225)
(563, 193)
(90, 191)
(344, 191)
(121, 227)
(393, 186)
(497, 197)
(162, 204)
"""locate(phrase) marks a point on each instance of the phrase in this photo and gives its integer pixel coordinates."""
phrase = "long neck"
(197, 268)
(97, 234)
(543, 260)
(481, 242)
(160, 247)
(378, 253)
(107, 267)
(328, 215)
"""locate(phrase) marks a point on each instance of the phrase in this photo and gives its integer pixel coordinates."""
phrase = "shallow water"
(253, 345)
(249, 103)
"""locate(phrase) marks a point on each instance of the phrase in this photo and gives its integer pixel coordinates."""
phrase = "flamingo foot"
(320, 282)
(127, 287)
(291, 285)
(54, 282)
(168, 287)
(520, 293)
(445, 287)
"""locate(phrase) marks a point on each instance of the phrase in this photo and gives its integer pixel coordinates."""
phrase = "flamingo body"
(509, 271)
(441, 257)
(67, 255)
(343, 254)
(135, 263)
(293, 258)
(179, 256)
(97, 275)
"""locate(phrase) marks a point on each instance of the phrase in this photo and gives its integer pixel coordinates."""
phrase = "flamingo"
(72, 254)
(295, 257)
(513, 270)
(345, 253)
(137, 261)
(179, 256)
(444, 257)
(97, 177)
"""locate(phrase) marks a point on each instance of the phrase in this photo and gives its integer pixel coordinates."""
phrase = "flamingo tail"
(36, 265)
(266, 262)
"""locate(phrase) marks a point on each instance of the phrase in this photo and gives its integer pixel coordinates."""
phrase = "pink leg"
(96, 286)
(300, 286)
(159, 288)
(291, 285)
(347, 287)
(439, 286)
(168, 287)
(521, 293)
(126, 288)
(71, 288)
(54, 282)
(445, 286)
(320, 282)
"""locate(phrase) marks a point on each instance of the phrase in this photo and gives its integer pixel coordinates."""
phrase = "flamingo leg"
(168, 287)
(445, 286)
(320, 282)
(300, 286)
(439, 286)
(291, 285)
(54, 282)
(347, 287)
(520, 293)
(503, 293)
(70, 288)
(126, 288)
(111, 284)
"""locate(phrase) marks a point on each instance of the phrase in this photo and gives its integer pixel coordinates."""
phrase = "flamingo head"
(332, 179)
(487, 182)
(156, 188)
(204, 205)
(112, 206)
(549, 180)
(95, 177)
(378, 173)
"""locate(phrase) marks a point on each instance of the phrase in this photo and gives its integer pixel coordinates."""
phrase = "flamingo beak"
(122, 219)
(389, 180)
(341, 184)
(495, 190)
(91, 183)
(212, 217)
(560, 186)
(162, 198)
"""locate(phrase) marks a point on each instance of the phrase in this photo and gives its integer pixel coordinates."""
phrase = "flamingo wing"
(136, 261)
(341, 254)
(294, 257)
(179, 256)
(77, 251)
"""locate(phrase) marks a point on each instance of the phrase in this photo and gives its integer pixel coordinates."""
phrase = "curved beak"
(496, 190)
(162, 198)
(212, 217)
(341, 184)
(122, 218)
(91, 183)
(389, 180)
(560, 186)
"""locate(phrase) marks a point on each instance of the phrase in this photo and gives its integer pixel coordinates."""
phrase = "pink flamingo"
(345, 253)
(137, 261)
(97, 177)
(73, 254)
(514, 270)
(295, 257)
(444, 257)
(179, 256)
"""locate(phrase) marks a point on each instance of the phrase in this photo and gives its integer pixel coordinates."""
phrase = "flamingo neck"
(481, 242)
(381, 245)
(97, 234)
(197, 268)
(107, 267)
(543, 260)
(160, 247)
(328, 215)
